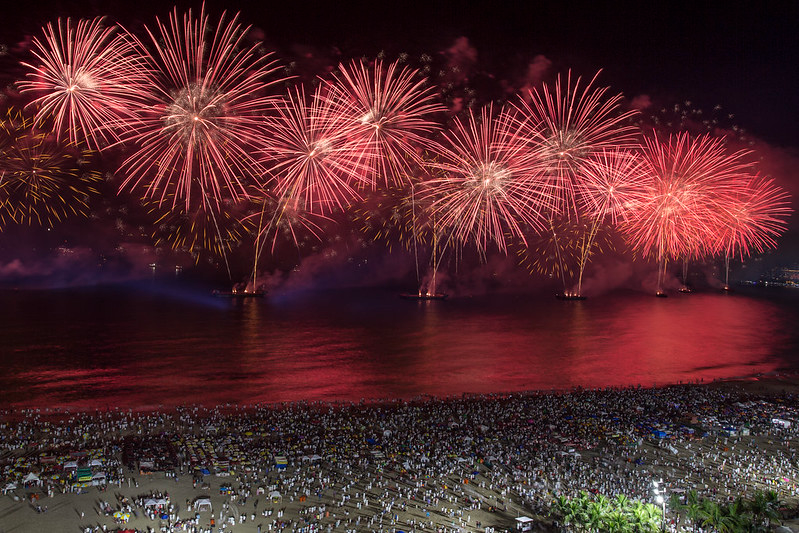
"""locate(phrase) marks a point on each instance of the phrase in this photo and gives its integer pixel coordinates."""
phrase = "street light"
(660, 499)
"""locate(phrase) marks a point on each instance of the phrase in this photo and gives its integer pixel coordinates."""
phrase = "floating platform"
(424, 296)
(561, 296)
(239, 294)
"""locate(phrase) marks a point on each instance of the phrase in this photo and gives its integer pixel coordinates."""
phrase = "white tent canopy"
(524, 523)
(96, 462)
(70, 465)
(9, 487)
(202, 504)
(275, 495)
(32, 478)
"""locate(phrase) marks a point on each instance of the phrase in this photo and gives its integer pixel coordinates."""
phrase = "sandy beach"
(459, 464)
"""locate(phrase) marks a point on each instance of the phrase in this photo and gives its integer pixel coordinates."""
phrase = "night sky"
(744, 58)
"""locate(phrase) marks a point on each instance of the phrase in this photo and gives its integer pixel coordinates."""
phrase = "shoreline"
(767, 382)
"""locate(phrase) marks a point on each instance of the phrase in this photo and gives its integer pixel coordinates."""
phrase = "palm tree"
(595, 517)
(616, 521)
(575, 514)
(773, 504)
(693, 509)
(622, 503)
(646, 517)
(560, 507)
(758, 507)
(732, 518)
(710, 514)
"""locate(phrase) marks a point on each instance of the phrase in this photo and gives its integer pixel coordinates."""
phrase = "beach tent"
(9, 487)
(275, 496)
(96, 462)
(71, 465)
(99, 478)
(150, 502)
(202, 504)
(524, 523)
(32, 479)
(312, 458)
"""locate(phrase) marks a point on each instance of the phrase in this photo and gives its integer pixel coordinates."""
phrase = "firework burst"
(42, 180)
(490, 184)
(754, 218)
(568, 124)
(612, 186)
(689, 183)
(282, 219)
(201, 121)
(558, 253)
(204, 227)
(392, 110)
(310, 154)
(84, 74)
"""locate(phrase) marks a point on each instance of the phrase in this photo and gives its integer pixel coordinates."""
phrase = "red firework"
(612, 186)
(311, 157)
(202, 120)
(84, 73)
(392, 110)
(491, 182)
(570, 123)
(754, 218)
(689, 184)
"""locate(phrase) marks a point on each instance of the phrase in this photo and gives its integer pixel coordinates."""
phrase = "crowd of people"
(471, 463)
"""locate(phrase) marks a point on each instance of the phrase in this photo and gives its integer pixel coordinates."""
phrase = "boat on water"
(569, 296)
(424, 296)
(244, 293)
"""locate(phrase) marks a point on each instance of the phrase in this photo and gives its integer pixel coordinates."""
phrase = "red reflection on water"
(267, 354)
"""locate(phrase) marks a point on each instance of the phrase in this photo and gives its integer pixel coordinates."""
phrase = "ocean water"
(145, 346)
